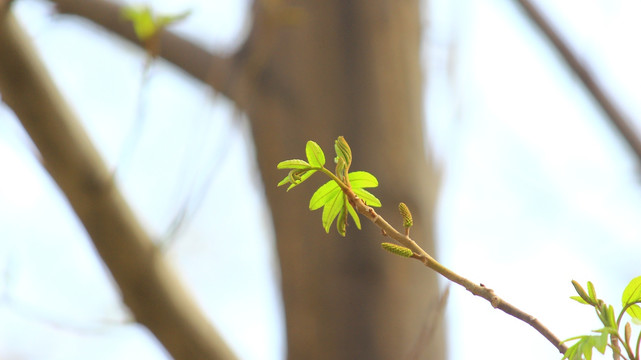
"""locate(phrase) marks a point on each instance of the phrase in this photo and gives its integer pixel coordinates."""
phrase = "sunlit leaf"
(305, 175)
(362, 179)
(341, 220)
(324, 194)
(331, 209)
(579, 290)
(369, 199)
(632, 295)
(592, 292)
(315, 154)
(293, 164)
(146, 24)
(579, 299)
(343, 151)
(284, 181)
(354, 215)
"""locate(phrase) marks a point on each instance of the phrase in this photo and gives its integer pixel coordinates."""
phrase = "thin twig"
(478, 290)
(614, 114)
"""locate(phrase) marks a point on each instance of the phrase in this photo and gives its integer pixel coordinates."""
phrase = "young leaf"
(331, 210)
(362, 179)
(579, 299)
(293, 164)
(305, 175)
(632, 295)
(354, 215)
(341, 221)
(592, 292)
(315, 154)
(369, 199)
(343, 151)
(324, 194)
(579, 289)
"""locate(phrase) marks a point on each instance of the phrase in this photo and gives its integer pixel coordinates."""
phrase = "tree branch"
(214, 70)
(613, 113)
(478, 290)
(149, 287)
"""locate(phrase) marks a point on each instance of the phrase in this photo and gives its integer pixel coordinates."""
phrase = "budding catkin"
(407, 215)
(397, 249)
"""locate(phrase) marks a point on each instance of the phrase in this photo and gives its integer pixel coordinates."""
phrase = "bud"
(343, 151)
(397, 249)
(407, 215)
(579, 289)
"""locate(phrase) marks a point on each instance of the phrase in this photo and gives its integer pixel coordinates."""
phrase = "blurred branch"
(613, 113)
(214, 70)
(149, 287)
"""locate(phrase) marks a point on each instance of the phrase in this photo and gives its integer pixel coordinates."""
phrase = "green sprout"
(333, 195)
(630, 301)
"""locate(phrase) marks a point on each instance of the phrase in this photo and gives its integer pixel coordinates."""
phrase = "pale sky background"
(538, 188)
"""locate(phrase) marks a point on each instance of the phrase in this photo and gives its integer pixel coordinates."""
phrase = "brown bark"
(348, 68)
(148, 286)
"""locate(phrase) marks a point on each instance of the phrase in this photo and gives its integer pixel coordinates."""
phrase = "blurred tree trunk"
(317, 71)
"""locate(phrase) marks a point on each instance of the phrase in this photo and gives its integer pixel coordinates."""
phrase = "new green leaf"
(632, 296)
(293, 164)
(315, 154)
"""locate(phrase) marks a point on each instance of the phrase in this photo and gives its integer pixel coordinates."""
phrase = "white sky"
(538, 188)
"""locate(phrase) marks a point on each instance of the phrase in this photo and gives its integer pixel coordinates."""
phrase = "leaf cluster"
(333, 195)
(146, 23)
(609, 335)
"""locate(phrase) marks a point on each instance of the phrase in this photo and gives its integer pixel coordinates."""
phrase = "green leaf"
(343, 151)
(324, 194)
(166, 20)
(369, 199)
(579, 299)
(354, 215)
(362, 179)
(293, 164)
(142, 20)
(305, 175)
(332, 208)
(284, 181)
(145, 23)
(632, 295)
(579, 290)
(315, 154)
(341, 221)
(592, 292)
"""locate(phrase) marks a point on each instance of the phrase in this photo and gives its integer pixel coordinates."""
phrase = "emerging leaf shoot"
(333, 195)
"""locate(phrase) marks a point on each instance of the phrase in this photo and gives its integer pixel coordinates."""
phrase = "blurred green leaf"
(592, 292)
(579, 299)
(146, 23)
(632, 295)
(315, 154)
(579, 290)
